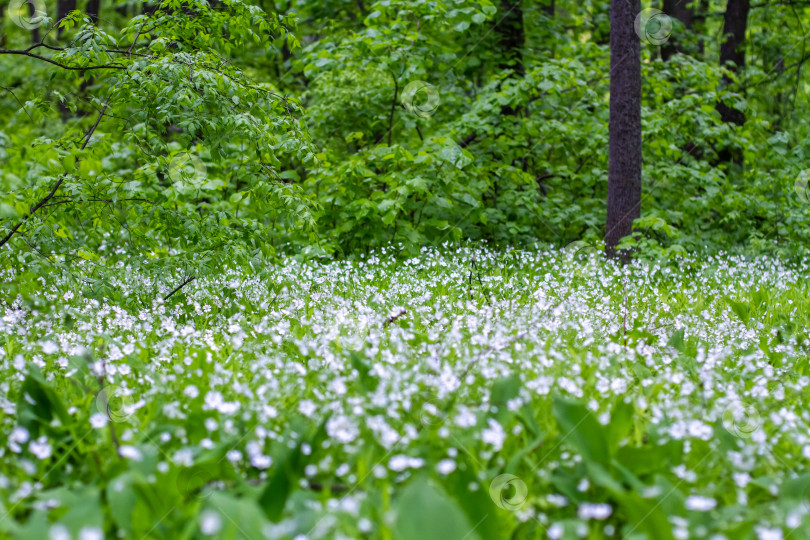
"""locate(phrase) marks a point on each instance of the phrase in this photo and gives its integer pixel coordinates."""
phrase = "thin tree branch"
(393, 318)
(393, 108)
(32, 211)
(63, 66)
(98, 119)
(58, 184)
(108, 201)
(186, 282)
(55, 48)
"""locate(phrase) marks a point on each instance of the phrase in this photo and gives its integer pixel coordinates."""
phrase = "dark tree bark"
(511, 39)
(779, 68)
(63, 7)
(511, 36)
(732, 50)
(624, 152)
(549, 8)
(93, 9)
(34, 32)
(701, 10)
(684, 12)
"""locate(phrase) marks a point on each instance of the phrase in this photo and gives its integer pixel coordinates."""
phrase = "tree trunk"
(700, 25)
(93, 8)
(684, 12)
(511, 40)
(63, 7)
(779, 69)
(511, 36)
(624, 152)
(34, 32)
(732, 50)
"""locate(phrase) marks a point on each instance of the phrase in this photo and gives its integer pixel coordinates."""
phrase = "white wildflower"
(98, 420)
(494, 434)
(130, 452)
(700, 503)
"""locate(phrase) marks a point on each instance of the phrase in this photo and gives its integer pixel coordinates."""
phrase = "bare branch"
(25, 52)
(49, 196)
(186, 282)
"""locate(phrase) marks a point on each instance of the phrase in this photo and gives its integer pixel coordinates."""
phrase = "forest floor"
(465, 393)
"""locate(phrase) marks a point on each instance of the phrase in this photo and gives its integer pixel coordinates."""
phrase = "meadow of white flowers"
(465, 393)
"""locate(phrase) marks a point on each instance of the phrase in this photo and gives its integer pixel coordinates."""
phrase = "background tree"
(682, 11)
(732, 57)
(199, 171)
(511, 36)
(376, 165)
(624, 154)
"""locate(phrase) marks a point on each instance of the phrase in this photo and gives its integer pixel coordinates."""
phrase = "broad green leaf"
(580, 430)
(425, 512)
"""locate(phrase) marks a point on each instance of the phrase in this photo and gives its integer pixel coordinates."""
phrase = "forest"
(404, 269)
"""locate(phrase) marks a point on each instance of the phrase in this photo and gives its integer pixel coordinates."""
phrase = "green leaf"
(490, 521)
(290, 175)
(368, 382)
(83, 509)
(580, 429)
(796, 488)
(240, 517)
(425, 512)
(7, 211)
(505, 389)
(287, 469)
(621, 423)
(39, 405)
(644, 515)
(741, 310)
(385, 204)
(121, 499)
(35, 528)
(676, 341)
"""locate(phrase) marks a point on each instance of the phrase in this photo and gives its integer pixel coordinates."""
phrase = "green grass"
(388, 399)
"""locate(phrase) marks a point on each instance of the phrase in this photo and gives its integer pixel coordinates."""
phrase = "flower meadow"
(466, 393)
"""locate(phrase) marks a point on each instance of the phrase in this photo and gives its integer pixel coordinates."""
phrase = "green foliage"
(395, 122)
(425, 512)
(175, 149)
